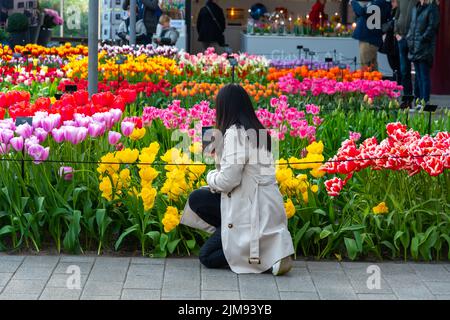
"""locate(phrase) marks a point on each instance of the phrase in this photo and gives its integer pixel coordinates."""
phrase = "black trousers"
(207, 206)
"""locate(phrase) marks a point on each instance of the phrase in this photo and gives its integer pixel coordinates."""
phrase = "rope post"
(93, 47)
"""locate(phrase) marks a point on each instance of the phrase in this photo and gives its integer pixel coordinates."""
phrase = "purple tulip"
(96, 129)
(75, 135)
(6, 135)
(24, 130)
(127, 128)
(114, 137)
(116, 114)
(40, 134)
(38, 153)
(17, 143)
(66, 173)
(58, 135)
(82, 121)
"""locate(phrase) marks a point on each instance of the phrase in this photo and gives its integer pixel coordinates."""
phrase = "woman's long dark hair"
(234, 107)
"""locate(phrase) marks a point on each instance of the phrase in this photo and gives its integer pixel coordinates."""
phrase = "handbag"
(222, 37)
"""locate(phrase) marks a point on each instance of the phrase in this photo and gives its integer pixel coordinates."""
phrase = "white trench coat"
(254, 224)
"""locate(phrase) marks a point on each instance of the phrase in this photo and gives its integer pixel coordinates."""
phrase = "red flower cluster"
(403, 149)
(148, 88)
(69, 104)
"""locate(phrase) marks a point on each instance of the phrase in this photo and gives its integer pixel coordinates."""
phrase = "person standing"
(370, 37)
(401, 27)
(211, 26)
(150, 9)
(317, 15)
(421, 40)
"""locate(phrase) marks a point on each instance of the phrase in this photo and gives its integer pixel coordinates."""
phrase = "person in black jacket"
(390, 45)
(151, 9)
(421, 39)
(211, 26)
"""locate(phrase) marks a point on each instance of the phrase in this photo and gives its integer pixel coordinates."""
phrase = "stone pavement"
(46, 277)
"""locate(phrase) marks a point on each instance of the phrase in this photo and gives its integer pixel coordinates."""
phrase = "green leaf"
(163, 241)
(397, 235)
(154, 235)
(325, 233)
(191, 243)
(6, 230)
(172, 245)
(352, 249)
(124, 234)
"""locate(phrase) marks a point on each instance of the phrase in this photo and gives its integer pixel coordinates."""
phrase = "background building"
(112, 15)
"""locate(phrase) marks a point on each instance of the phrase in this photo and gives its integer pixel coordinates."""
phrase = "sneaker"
(282, 266)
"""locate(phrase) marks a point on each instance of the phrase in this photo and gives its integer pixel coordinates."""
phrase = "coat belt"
(254, 257)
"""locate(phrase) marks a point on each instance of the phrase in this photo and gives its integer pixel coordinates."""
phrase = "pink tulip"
(96, 129)
(66, 173)
(58, 135)
(17, 143)
(127, 128)
(40, 134)
(116, 114)
(51, 122)
(114, 137)
(38, 153)
(24, 130)
(75, 135)
(4, 148)
(6, 135)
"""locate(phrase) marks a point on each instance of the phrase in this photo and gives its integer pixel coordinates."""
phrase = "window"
(20, 5)
(31, 4)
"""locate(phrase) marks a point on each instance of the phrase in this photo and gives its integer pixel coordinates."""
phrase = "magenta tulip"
(17, 143)
(40, 134)
(66, 173)
(38, 153)
(96, 129)
(24, 130)
(58, 135)
(6, 135)
(127, 128)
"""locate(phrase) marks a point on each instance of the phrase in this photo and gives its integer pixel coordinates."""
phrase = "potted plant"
(4, 36)
(17, 26)
(51, 20)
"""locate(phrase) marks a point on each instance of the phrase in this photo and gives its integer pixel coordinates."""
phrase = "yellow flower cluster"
(182, 174)
(171, 219)
(140, 68)
(381, 208)
(294, 185)
(113, 180)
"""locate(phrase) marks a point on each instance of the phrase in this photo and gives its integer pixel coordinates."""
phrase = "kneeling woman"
(241, 206)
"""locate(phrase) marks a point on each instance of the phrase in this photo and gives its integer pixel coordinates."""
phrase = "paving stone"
(403, 280)
(299, 296)
(438, 296)
(40, 261)
(296, 280)
(373, 296)
(323, 279)
(33, 273)
(220, 295)
(87, 297)
(181, 278)
(1, 289)
(145, 269)
(99, 273)
(357, 265)
(9, 265)
(8, 257)
(19, 296)
(116, 261)
(359, 283)
(85, 267)
(324, 266)
(77, 259)
(431, 272)
(336, 293)
(138, 294)
(60, 280)
(395, 268)
(447, 266)
(299, 264)
(418, 292)
(440, 287)
(147, 261)
(258, 286)
(4, 278)
(144, 282)
(220, 280)
(24, 287)
(101, 288)
(60, 294)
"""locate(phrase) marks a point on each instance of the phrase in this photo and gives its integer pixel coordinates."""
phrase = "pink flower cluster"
(283, 120)
(286, 119)
(317, 86)
(403, 149)
(30, 138)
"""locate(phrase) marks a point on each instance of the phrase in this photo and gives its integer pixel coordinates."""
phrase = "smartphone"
(207, 137)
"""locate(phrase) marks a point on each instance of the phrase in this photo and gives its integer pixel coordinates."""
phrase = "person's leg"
(207, 205)
(363, 54)
(426, 80)
(418, 80)
(206, 45)
(211, 254)
(373, 53)
(405, 68)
